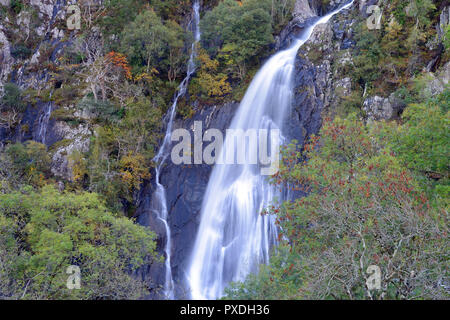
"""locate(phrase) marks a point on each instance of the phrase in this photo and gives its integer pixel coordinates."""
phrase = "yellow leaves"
(214, 86)
(127, 177)
(226, 53)
(133, 170)
(78, 165)
(206, 63)
(211, 83)
(146, 76)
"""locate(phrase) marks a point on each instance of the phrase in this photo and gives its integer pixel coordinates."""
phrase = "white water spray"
(233, 238)
(159, 202)
(43, 122)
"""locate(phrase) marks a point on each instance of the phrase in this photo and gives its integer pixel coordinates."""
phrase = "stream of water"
(159, 201)
(233, 237)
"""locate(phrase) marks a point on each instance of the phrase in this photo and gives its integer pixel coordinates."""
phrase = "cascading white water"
(159, 202)
(233, 237)
(43, 122)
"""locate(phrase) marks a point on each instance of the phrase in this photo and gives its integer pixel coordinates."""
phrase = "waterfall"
(159, 202)
(44, 118)
(233, 237)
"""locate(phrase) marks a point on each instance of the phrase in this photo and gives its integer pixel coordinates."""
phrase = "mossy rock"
(63, 114)
(60, 144)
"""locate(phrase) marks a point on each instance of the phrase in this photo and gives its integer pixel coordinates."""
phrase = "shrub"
(43, 233)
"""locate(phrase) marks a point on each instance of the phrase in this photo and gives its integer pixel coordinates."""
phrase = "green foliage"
(22, 164)
(282, 13)
(349, 104)
(362, 207)
(151, 45)
(175, 45)
(104, 111)
(12, 98)
(420, 10)
(21, 51)
(45, 232)
(12, 106)
(16, 6)
(399, 11)
(447, 38)
(368, 56)
(387, 58)
(143, 40)
(120, 154)
(119, 13)
(251, 32)
(421, 142)
(236, 35)
(241, 31)
(272, 281)
(209, 83)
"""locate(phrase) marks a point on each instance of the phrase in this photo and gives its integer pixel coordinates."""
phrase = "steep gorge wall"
(42, 26)
(185, 185)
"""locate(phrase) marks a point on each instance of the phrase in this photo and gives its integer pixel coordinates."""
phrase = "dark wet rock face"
(36, 124)
(185, 186)
(317, 88)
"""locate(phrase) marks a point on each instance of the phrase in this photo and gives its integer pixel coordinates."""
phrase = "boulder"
(378, 108)
(437, 81)
(303, 10)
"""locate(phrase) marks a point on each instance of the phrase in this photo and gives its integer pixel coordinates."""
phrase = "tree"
(447, 38)
(11, 106)
(118, 14)
(25, 164)
(139, 127)
(143, 41)
(175, 57)
(281, 13)
(108, 75)
(367, 60)
(153, 45)
(211, 83)
(240, 33)
(251, 33)
(360, 207)
(395, 52)
(45, 232)
(421, 141)
(420, 9)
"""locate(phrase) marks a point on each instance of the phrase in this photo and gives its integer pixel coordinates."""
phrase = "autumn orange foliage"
(119, 60)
